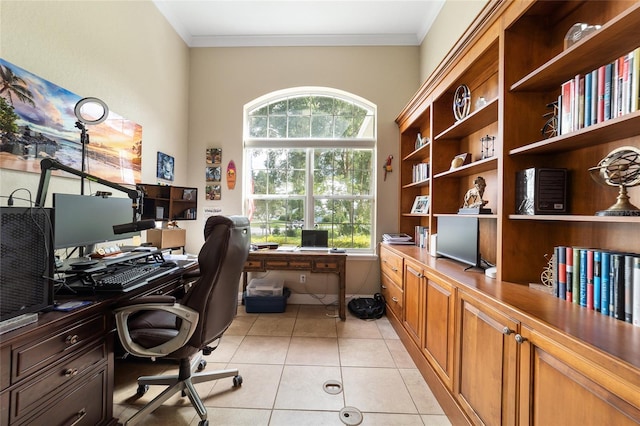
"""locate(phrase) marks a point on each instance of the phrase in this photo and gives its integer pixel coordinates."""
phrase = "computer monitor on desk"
(82, 220)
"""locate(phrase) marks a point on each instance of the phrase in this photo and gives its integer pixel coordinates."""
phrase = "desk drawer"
(288, 264)
(37, 355)
(393, 295)
(31, 396)
(322, 266)
(83, 405)
(253, 265)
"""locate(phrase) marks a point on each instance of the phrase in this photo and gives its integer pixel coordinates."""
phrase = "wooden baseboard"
(445, 399)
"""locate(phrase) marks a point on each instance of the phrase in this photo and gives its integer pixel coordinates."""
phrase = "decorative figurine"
(621, 168)
(550, 128)
(473, 202)
(488, 146)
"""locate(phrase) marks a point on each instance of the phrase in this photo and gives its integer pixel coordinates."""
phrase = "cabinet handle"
(80, 415)
(395, 299)
(394, 269)
(416, 273)
(71, 340)
(70, 372)
(519, 338)
(506, 331)
(384, 287)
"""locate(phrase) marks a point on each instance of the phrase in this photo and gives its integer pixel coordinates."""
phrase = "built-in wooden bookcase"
(531, 84)
(518, 64)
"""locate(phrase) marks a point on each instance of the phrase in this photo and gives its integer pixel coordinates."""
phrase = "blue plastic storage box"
(266, 304)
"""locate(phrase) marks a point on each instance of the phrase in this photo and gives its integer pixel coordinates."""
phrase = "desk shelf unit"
(168, 203)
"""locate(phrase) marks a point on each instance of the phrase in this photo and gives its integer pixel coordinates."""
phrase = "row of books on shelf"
(607, 92)
(422, 236)
(420, 172)
(602, 280)
(189, 213)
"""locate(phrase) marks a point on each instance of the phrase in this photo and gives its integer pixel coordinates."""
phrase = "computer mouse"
(169, 264)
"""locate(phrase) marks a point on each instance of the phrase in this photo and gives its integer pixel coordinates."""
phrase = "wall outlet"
(303, 278)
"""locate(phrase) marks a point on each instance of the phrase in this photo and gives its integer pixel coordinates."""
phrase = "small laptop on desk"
(314, 240)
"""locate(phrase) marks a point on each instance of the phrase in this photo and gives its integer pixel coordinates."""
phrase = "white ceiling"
(226, 23)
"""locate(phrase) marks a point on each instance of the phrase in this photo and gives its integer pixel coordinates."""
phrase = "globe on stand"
(621, 168)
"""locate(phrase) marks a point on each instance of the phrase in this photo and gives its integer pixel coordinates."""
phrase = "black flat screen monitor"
(314, 238)
(459, 239)
(83, 220)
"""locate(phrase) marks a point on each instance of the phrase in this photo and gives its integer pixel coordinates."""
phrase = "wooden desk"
(270, 260)
(60, 369)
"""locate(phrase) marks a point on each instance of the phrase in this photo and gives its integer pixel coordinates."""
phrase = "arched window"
(309, 164)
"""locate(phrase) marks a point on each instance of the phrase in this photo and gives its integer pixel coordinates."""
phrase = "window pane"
(258, 127)
(321, 126)
(343, 127)
(321, 105)
(278, 108)
(259, 111)
(299, 106)
(277, 127)
(299, 126)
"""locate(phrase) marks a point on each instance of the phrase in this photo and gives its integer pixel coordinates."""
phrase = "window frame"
(309, 144)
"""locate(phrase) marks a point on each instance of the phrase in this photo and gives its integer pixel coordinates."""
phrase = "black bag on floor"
(368, 307)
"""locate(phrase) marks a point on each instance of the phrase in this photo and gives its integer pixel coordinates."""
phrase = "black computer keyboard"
(131, 276)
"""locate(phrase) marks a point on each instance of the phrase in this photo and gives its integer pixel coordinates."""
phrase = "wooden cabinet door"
(439, 325)
(559, 387)
(413, 295)
(486, 357)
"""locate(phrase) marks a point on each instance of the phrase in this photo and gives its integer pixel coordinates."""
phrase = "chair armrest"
(161, 299)
(188, 326)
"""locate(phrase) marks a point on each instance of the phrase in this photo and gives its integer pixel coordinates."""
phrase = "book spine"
(587, 100)
(594, 97)
(582, 279)
(590, 285)
(628, 288)
(617, 285)
(635, 81)
(576, 276)
(597, 282)
(569, 268)
(608, 70)
(600, 107)
(561, 274)
(579, 107)
(605, 264)
(635, 314)
(566, 109)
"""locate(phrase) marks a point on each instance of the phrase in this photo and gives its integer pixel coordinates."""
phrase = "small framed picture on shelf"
(189, 194)
(420, 205)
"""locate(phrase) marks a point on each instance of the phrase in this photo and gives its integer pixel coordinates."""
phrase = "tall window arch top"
(310, 164)
(311, 116)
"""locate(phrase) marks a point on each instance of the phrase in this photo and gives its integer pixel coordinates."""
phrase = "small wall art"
(166, 164)
(213, 192)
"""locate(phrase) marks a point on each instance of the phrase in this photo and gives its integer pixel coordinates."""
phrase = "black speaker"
(26, 260)
(541, 191)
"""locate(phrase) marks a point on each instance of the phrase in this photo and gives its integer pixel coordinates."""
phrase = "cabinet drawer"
(29, 398)
(392, 265)
(393, 295)
(84, 405)
(37, 355)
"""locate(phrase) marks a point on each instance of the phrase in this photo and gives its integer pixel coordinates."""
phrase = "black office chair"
(160, 326)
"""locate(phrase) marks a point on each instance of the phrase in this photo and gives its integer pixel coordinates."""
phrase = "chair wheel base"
(237, 381)
(202, 364)
(142, 389)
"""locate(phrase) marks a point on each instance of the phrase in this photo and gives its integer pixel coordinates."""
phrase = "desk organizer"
(266, 304)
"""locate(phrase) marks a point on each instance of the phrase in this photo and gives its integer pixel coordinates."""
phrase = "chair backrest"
(215, 294)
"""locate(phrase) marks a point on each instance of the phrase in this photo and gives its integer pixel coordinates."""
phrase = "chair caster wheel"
(237, 381)
(203, 423)
(142, 389)
(202, 364)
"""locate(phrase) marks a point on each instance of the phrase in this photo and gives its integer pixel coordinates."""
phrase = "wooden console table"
(269, 260)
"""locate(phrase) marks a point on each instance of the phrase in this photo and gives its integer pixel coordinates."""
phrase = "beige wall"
(454, 18)
(124, 53)
(187, 100)
(223, 80)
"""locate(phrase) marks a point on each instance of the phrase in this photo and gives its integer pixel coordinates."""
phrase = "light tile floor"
(284, 360)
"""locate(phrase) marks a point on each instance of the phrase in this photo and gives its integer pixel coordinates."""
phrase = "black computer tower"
(26, 260)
